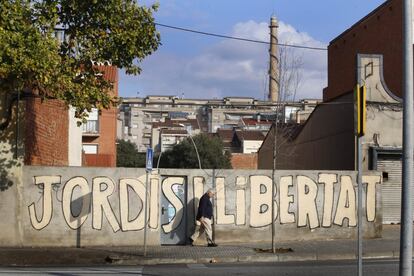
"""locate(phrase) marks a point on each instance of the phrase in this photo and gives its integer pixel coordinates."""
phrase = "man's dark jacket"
(205, 208)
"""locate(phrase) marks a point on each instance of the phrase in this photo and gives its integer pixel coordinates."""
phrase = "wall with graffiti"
(71, 206)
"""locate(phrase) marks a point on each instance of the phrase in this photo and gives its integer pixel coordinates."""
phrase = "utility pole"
(273, 62)
(406, 240)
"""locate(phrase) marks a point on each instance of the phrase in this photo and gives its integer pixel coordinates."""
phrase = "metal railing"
(91, 126)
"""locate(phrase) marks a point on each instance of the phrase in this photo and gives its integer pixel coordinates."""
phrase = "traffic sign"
(360, 110)
(150, 154)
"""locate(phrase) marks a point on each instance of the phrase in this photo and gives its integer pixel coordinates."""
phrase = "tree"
(127, 155)
(290, 74)
(210, 149)
(33, 61)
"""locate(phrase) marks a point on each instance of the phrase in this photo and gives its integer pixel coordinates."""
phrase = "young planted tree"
(290, 64)
(289, 81)
(33, 61)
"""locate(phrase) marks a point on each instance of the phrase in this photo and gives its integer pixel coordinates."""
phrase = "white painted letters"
(76, 221)
(242, 201)
(285, 200)
(307, 192)
(260, 200)
(47, 182)
(101, 203)
(346, 203)
(138, 187)
(328, 180)
(371, 181)
(222, 217)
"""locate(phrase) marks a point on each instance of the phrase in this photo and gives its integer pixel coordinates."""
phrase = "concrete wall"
(10, 166)
(69, 206)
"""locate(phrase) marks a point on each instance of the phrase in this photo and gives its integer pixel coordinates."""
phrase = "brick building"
(99, 137)
(379, 32)
(53, 139)
(46, 133)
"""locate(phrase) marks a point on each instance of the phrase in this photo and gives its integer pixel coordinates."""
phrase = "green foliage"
(127, 155)
(183, 155)
(34, 61)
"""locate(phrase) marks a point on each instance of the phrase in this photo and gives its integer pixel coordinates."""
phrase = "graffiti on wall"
(328, 200)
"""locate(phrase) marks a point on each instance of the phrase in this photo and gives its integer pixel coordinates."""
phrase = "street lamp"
(195, 147)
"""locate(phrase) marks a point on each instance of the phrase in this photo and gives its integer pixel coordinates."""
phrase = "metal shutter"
(390, 166)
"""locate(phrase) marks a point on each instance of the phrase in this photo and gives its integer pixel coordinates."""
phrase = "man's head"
(210, 193)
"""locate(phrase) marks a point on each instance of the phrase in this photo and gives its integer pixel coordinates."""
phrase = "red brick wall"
(46, 133)
(107, 127)
(98, 160)
(378, 33)
(106, 139)
(244, 161)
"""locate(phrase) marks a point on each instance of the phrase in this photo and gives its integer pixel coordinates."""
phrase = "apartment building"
(142, 119)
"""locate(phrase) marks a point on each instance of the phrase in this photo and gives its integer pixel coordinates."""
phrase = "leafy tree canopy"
(127, 155)
(210, 149)
(34, 61)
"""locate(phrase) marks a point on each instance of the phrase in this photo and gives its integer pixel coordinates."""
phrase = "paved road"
(337, 268)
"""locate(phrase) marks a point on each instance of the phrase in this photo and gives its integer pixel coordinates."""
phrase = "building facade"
(141, 118)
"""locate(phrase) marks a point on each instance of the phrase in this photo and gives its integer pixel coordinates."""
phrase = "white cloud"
(228, 67)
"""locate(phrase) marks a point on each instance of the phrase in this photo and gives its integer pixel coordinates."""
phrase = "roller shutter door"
(391, 167)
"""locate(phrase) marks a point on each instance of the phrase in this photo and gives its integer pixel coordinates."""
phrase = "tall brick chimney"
(273, 62)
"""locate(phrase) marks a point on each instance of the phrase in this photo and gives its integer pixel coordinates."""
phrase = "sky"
(196, 66)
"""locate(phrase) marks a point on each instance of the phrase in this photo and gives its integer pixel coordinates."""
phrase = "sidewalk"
(385, 247)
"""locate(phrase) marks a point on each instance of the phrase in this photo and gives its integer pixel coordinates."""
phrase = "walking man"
(204, 215)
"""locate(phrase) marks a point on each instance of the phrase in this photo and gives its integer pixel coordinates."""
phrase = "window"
(90, 148)
(92, 123)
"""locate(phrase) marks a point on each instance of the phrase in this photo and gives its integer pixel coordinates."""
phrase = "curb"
(122, 260)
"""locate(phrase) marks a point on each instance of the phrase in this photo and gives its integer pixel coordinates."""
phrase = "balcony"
(91, 128)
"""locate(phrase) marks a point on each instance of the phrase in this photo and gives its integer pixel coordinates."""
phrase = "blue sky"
(199, 66)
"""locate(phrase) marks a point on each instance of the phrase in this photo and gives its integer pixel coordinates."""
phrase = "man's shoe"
(191, 241)
(212, 245)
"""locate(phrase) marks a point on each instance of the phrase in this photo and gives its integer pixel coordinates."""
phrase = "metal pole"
(406, 241)
(145, 215)
(213, 226)
(359, 206)
(195, 147)
(273, 186)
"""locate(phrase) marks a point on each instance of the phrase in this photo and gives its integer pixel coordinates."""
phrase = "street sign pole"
(360, 125)
(148, 169)
(359, 207)
(406, 240)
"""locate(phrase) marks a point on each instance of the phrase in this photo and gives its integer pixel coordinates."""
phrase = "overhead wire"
(240, 38)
